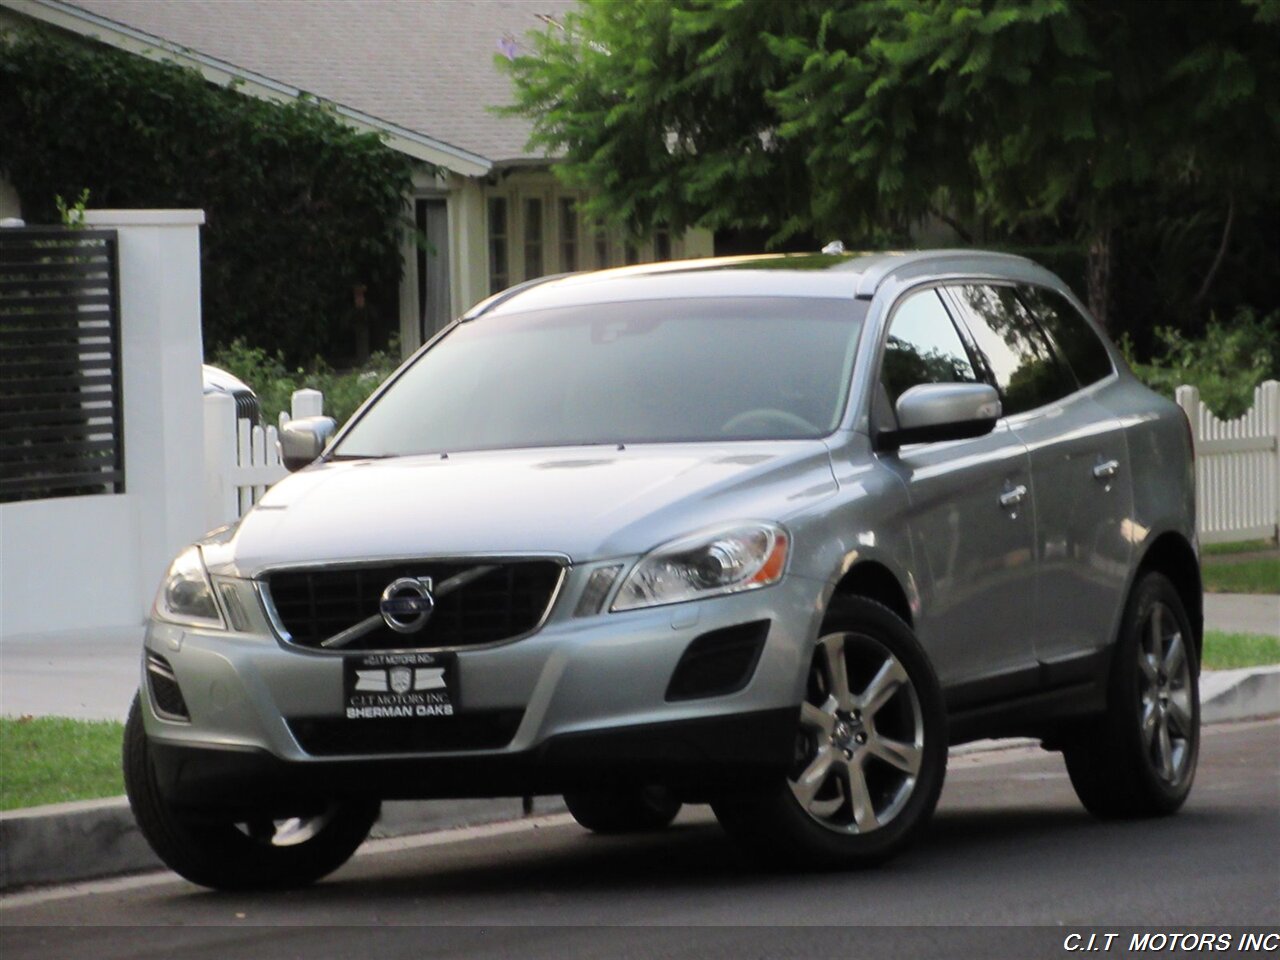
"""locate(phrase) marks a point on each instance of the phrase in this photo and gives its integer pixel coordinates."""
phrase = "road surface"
(1010, 846)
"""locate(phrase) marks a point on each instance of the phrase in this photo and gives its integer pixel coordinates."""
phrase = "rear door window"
(1083, 349)
(1019, 357)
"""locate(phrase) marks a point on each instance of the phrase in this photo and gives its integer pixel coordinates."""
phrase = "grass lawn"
(1240, 546)
(1226, 651)
(54, 759)
(1255, 575)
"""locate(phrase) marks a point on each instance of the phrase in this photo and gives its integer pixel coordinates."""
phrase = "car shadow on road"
(695, 856)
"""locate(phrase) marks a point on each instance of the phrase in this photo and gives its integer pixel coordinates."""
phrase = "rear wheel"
(871, 749)
(244, 851)
(633, 810)
(1139, 759)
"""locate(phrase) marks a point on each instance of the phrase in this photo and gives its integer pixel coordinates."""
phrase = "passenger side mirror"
(930, 412)
(304, 439)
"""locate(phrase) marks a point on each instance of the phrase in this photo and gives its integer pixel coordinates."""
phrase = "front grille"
(510, 600)
(247, 406)
(478, 730)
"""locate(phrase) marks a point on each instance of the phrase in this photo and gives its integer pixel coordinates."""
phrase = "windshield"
(654, 371)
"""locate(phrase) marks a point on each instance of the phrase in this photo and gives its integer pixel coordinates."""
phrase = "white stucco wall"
(94, 562)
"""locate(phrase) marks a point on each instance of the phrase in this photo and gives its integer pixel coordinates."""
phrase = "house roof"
(421, 71)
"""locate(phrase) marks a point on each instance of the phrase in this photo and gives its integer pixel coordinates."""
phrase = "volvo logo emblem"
(407, 603)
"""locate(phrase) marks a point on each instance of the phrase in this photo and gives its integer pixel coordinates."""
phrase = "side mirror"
(304, 439)
(930, 412)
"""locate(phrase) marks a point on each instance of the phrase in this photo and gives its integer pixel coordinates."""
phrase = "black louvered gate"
(61, 418)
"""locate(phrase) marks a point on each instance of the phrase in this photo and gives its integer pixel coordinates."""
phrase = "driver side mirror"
(304, 439)
(931, 412)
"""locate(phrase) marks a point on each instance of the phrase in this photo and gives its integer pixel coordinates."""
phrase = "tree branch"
(954, 224)
(1222, 250)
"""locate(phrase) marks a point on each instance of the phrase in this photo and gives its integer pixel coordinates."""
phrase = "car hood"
(587, 503)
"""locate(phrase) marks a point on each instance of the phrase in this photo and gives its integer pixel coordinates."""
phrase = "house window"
(662, 244)
(533, 266)
(568, 234)
(499, 278)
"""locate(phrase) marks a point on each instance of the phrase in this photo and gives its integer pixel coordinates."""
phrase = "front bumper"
(587, 698)
(699, 759)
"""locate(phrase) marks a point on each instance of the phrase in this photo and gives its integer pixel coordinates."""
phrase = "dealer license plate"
(379, 686)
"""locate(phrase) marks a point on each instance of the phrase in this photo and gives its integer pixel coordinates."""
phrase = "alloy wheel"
(1164, 679)
(861, 739)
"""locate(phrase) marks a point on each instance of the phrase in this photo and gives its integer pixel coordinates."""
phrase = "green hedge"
(301, 209)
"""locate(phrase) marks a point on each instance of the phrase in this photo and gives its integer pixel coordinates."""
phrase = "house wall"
(94, 562)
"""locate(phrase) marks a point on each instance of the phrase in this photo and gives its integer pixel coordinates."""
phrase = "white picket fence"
(241, 460)
(1237, 467)
(1237, 462)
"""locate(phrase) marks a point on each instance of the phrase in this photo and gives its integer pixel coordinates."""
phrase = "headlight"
(724, 560)
(186, 595)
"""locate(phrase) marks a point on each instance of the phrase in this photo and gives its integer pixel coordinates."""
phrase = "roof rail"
(881, 266)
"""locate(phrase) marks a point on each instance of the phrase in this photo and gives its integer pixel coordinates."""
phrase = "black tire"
(1117, 762)
(223, 854)
(624, 811)
(826, 830)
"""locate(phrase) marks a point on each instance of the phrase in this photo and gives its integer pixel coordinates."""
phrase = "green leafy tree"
(1015, 120)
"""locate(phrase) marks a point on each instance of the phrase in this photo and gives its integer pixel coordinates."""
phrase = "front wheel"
(1139, 760)
(242, 851)
(870, 753)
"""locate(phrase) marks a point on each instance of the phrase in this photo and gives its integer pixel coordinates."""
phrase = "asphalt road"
(1010, 848)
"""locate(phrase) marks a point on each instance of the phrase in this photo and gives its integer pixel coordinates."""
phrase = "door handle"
(1013, 497)
(1105, 471)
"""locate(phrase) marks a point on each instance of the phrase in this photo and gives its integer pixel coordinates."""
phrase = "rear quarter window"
(1075, 337)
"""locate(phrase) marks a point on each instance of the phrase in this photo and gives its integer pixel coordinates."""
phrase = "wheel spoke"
(882, 687)
(1175, 657)
(1147, 664)
(855, 783)
(1180, 711)
(837, 670)
(810, 782)
(1165, 749)
(816, 718)
(902, 756)
(1150, 720)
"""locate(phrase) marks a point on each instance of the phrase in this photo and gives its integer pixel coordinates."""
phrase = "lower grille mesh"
(478, 730)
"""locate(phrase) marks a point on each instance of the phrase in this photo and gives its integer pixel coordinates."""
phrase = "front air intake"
(719, 662)
(166, 695)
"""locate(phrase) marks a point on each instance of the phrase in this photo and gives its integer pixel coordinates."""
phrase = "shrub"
(1226, 365)
(274, 381)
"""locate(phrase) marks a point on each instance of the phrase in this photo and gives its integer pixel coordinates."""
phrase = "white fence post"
(1237, 467)
(220, 501)
(241, 461)
(307, 403)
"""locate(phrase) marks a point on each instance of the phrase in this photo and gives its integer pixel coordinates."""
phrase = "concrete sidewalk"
(1243, 613)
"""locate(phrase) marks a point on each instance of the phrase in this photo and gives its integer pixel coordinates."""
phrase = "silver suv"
(769, 533)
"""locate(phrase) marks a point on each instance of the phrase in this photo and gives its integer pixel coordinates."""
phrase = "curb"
(89, 839)
(71, 842)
